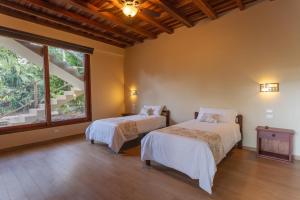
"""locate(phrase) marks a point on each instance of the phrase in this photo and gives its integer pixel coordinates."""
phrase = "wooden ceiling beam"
(205, 8)
(31, 18)
(80, 18)
(41, 15)
(112, 18)
(146, 18)
(240, 4)
(90, 8)
(173, 12)
(155, 23)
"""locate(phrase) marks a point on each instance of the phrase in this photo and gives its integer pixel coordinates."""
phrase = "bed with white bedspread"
(116, 131)
(194, 147)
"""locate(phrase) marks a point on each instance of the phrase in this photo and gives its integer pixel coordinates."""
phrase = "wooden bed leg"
(148, 162)
(92, 142)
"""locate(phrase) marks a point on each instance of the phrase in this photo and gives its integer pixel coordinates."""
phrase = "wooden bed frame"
(238, 120)
(165, 113)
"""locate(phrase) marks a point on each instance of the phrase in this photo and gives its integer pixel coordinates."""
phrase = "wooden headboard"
(238, 120)
(166, 113)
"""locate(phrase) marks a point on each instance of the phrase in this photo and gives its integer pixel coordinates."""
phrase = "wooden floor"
(75, 169)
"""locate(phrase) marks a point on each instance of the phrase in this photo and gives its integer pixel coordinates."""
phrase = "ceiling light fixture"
(130, 7)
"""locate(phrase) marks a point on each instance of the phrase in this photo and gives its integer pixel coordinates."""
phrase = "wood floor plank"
(30, 188)
(3, 191)
(74, 169)
(45, 179)
(77, 188)
(12, 185)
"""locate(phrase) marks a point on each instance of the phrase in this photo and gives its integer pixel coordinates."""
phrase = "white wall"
(107, 80)
(220, 63)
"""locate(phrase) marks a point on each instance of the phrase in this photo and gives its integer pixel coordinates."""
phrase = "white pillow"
(156, 109)
(210, 118)
(147, 111)
(225, 115)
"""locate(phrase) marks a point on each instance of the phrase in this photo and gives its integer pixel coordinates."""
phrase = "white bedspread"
(107, 131)
(187, 155)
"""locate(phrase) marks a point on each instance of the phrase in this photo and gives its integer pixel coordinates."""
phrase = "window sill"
(44, 125)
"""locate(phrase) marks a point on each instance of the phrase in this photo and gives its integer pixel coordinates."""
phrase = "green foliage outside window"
(18, 76)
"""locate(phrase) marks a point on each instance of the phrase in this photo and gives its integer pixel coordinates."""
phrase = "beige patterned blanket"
(124, 126)
(212, 139)
(128, 128)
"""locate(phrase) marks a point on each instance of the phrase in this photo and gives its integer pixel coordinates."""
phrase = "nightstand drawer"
(274, 135)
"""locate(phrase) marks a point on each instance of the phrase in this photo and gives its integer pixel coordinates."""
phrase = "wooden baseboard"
(54, 140)
(296, 157)
(249, 148)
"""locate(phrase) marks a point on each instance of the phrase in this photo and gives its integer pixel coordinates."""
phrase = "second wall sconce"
(133, 92)
(269, 87)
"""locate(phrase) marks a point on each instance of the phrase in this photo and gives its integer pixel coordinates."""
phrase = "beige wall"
(106, 79)
(220, 63)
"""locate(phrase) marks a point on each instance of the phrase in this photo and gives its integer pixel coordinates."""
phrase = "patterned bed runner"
(212, 139)
(128, 128)
(124, 126)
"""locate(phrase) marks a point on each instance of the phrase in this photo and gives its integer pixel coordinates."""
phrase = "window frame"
(87, 81)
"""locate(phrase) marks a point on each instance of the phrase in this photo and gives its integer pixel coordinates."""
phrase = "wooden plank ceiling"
(103, 20)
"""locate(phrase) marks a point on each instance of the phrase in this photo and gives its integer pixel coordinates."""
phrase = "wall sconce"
(269, 87)
(133, 92)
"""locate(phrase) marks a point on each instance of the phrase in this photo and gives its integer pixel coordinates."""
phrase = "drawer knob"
(273, 135)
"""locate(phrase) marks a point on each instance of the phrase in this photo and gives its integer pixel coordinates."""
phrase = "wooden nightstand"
(275, 143)
(127, 114)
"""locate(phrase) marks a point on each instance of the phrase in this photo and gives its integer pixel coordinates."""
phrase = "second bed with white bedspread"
(188, 155)
(116, 131)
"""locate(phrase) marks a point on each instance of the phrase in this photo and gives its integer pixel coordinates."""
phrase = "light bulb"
(130, 10)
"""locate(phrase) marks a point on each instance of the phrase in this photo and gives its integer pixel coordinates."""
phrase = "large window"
(42, 85)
